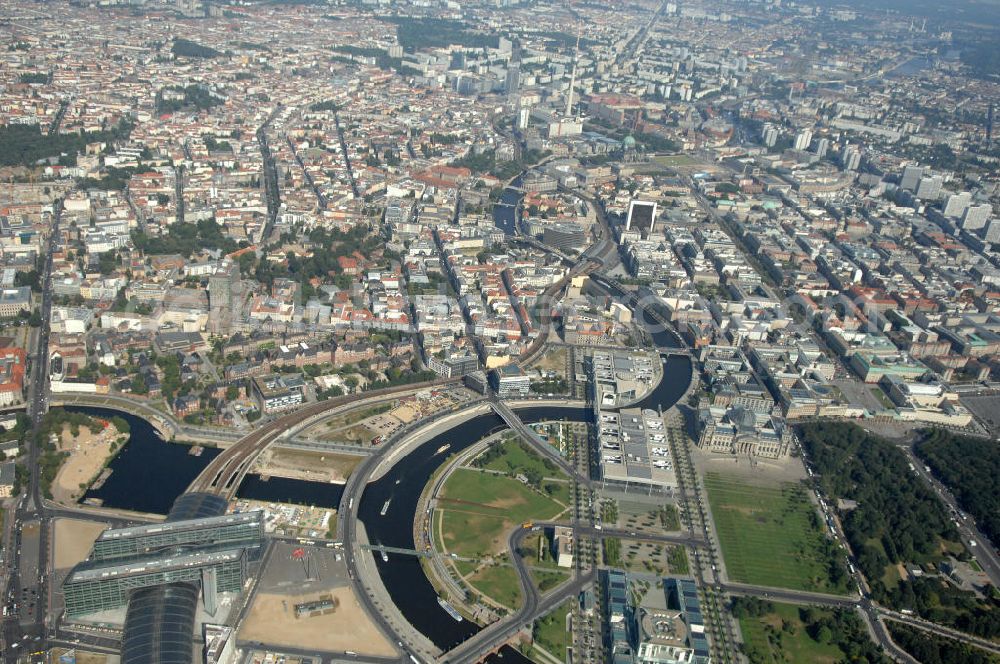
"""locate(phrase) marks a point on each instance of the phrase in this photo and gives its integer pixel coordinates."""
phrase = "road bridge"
(222, 476)
(381, 548)
(529, 435)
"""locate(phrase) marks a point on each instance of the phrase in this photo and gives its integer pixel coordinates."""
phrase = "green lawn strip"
(478, 509)
(515, 457)
(677, 560)
(791, 646)
(472, 491)
(436, 530)
(767, 536)
(550, 630)
(465, 567)
(499, 583)
(474, 535)
(546, 580)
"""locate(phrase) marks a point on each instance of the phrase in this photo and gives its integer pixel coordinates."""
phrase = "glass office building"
(245, 529)
(98, 586)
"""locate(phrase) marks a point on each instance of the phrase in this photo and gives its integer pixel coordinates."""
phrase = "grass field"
(775, 645)
(770, 536)
(478, 509)
(550, 631)
(499, 583)
(546, 580)
(516, 458)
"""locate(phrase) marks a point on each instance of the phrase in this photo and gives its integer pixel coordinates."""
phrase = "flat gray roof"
(155, 564)
(181, 526)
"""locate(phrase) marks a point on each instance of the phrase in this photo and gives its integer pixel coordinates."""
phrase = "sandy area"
(272, 621)
(405, 414)
(756, 471)
(83, 657)
(73, 540)
(87, 454)
(307, 465)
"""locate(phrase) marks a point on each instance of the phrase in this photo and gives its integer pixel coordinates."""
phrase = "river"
(912, 67)
(505, 213)
(149, 473)
(403, 576)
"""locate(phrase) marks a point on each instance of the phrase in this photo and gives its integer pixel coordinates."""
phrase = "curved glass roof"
(159, 625)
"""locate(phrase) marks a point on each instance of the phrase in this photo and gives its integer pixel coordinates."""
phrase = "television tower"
(572, 76)
(989, 127)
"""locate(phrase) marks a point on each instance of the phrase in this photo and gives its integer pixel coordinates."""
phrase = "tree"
(139, 385)
(121, 424)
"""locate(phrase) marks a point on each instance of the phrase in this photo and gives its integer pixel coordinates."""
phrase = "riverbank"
(87, 455)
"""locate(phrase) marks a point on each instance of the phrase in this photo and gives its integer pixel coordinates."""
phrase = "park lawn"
(499, 583)
(494, 495)
(465, 567)
(473, 535)
(517, 459)
(798, 647)
(767, 535)
(883, 398)
(436, 530)
(478, 509)
(550, 630)
(546, 580)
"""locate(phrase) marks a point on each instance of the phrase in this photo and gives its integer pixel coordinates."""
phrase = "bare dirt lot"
(87, 454)
(313, 466)
(73, 539)
(272, 620)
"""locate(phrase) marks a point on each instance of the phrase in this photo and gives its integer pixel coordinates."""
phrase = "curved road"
(223, 474)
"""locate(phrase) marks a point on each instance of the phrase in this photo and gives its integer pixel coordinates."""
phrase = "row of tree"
(971, 469)
(898, 519)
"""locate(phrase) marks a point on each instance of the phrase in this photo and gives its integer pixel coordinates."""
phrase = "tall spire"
(572, 76)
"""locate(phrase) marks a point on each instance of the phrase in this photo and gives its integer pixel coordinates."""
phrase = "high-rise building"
(769, 135)
(850, 158)
(911, 177)
(976, 217)
(822, 147)
(523, 117)
(641, 217)
(564, 236)
(513, 82)
(929, 188)
(993, 231)
(955, 205)
(803, 139)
